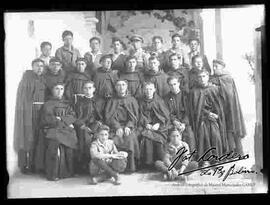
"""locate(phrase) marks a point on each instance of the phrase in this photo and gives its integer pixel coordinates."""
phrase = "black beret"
(105, 56)
(55, 59)
(81, 59)
(218, 61)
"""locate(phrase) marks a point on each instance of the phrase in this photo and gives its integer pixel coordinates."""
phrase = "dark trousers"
(151, 151)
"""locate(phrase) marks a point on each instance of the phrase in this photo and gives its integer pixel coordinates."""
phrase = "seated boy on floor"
(182, 164)
(105, 157)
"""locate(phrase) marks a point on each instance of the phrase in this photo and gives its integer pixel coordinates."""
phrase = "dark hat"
(55, 59)
(106, 56)
(136, 37)
(218, 61)
(81, 59)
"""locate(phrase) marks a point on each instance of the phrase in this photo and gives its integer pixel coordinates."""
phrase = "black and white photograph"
(134, 102)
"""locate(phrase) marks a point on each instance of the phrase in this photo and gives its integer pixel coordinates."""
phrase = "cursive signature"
(220, 171)
(218, 161)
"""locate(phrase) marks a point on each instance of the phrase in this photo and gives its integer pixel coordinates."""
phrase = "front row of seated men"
(102, 128)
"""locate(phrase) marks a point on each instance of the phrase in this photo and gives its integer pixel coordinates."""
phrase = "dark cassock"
(192, 78)
(134, 80)
(74, 83)
(208, 131)
(178, 107)
(51, 79)
(118, 62)
(121, 112)
(60, 138)
(89, 114)
(30, 97)
(152, 143)
(160, 81)
(183, 74)
(104, 82)
(92, 62)
(235, 123)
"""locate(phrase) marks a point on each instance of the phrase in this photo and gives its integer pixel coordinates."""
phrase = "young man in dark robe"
(30, 97)
(197, 65)
(105, 78)
(158, 51)
(118, 56)
(132, 76)
(54, 74)
(177, 69)
(154, 124)
(194, 45)
(76, 79)
(122, 114)
(88, 108)
(207, 118)
(158, 77)
(57, 118)
(177, 103)
(235, 124)
(68, 54)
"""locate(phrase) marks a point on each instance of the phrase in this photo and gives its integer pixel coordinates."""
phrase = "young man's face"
(103, 135)
(175, 61)
(46, 50)
(106, 63)
(137, 44)
(131, 65)
(38, 68)
(198, 63)
(117, 46)
(154, 65)
(194, 45)
(203, 79)
(174, 85)
(121, 88)
(175, 137)
(157, 44)
(217, 67)
(95, 45)
(68, 40)
(176, 42)
(55, 67)
(149, 91)
(81, 65)
(58, 91)
(89, 89)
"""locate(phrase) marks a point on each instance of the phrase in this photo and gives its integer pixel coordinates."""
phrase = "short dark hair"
(37, 60)
(194, 39)
(174, 129)
(195, 57)
(121, 80)
(171, 77)
(174, 54)
(95, 38)
(58, 83)
(81, 59)
(66, 33)
(203, 71)
(45, 43)
(157, 37)
(55, 59)
(176, 35)
(109, 56)
(148, 83)
(89, 82)
(115, 39)
(131, 57)
(103, 127)
(153, 57)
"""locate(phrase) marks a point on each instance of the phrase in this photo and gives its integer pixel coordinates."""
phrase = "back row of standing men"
(163, 89)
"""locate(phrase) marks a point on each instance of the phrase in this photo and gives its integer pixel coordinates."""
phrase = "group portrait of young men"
(108, 113)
